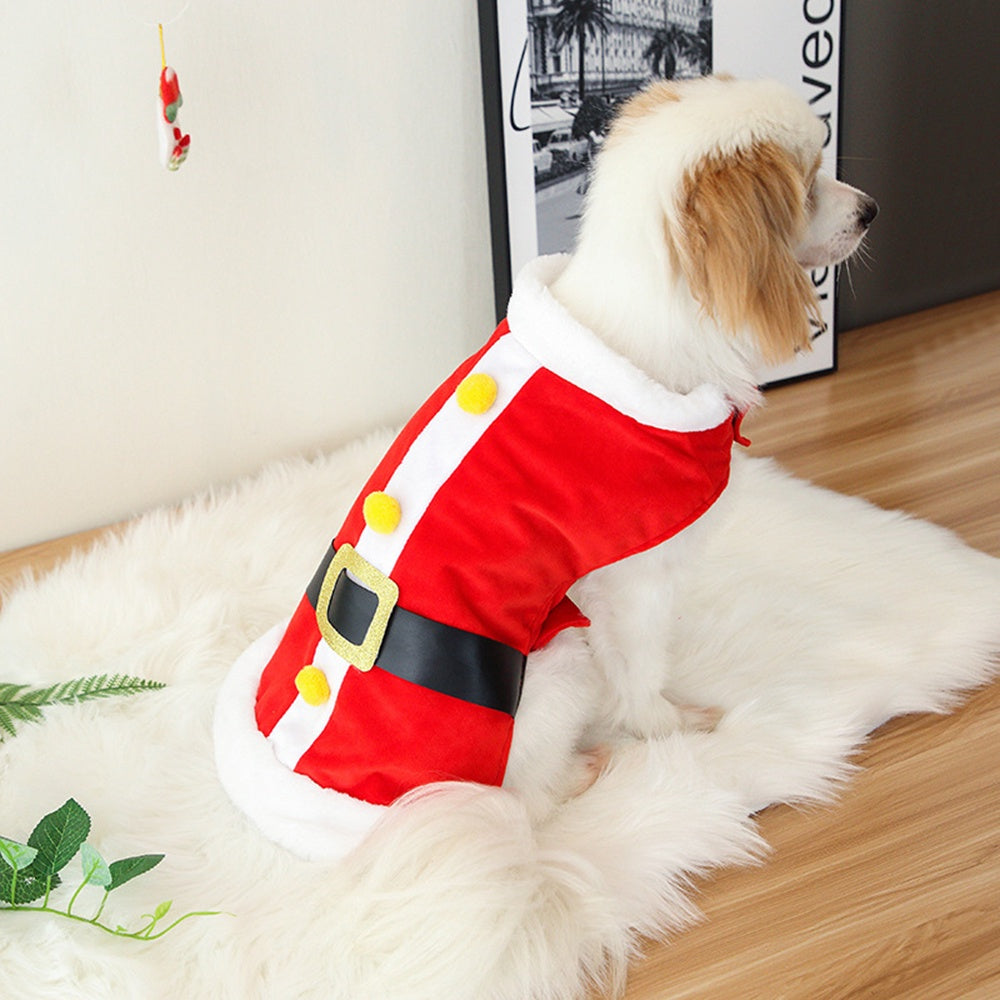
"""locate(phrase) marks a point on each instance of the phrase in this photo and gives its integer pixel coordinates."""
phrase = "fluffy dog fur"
(705, 207)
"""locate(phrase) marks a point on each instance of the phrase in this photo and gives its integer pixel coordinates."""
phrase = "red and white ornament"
(175, 144)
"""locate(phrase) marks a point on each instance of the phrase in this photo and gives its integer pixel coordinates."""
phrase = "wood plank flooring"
(894, 892)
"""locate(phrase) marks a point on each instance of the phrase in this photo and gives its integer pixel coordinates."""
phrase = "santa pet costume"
(543, 457)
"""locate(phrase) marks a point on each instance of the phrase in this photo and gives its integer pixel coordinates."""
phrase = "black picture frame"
(496, 177)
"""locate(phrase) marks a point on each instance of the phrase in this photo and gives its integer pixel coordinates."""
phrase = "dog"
(564, 476)
(706, 206)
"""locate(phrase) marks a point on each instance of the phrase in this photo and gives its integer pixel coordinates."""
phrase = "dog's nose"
(867, 211)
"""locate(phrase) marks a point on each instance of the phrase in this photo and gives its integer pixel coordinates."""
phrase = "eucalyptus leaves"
(29, 872)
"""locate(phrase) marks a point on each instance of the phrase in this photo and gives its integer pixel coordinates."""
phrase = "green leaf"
(162, 910)
(29, 886)
(16, 855)
(11, 713)
(21, 703)
(129, 868)
(58, 837)
(87, 688)
(22, 712)
(95, 868)
(6, 724)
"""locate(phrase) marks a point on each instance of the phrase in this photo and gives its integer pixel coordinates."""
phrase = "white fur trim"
(440, 448)
(575, 353)
(302, 723)
(319, 824)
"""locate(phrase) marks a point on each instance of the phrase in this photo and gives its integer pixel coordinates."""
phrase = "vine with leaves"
(29, 871)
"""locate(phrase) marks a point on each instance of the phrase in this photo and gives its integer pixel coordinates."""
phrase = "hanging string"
(163, 51)
(149, 24)
(179, 14)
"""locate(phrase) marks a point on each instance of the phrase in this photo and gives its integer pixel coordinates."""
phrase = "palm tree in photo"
(579, 19)
(701, 47)
(671, 44)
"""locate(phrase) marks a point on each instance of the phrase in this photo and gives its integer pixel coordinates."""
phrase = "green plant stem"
(72, 899)
(140, 935)
(87, 875)
(100, 909)
(170, 927)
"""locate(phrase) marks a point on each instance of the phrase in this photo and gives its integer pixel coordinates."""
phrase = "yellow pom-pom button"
(476, 393)
(382, 512)
(312, 684)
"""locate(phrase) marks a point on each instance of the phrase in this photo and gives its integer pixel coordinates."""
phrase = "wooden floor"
(895, 891)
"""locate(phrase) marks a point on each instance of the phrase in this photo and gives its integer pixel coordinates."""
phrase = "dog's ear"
(738, 219)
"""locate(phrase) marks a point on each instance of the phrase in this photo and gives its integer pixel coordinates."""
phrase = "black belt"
(418, 649)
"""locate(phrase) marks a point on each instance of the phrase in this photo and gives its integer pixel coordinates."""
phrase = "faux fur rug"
(814, 617)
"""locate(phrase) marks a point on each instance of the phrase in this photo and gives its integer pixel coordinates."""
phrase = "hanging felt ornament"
(174, 143)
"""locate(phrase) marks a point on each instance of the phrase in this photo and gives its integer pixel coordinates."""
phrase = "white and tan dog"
(706, 205)
(615, 390)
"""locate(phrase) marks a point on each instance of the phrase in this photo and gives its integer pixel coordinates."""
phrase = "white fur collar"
(547, 330)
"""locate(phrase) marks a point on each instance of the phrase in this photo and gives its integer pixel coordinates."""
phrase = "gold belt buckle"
(348, 559)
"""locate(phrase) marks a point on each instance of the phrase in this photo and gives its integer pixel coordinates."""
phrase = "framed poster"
(555, 70)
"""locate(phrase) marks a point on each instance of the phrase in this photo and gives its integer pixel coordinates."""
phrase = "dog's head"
(734, 170)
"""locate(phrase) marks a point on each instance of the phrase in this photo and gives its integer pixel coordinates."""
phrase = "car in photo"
(542, 157)
(562, 145)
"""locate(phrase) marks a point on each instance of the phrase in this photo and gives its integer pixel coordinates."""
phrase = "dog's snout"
(867, 211)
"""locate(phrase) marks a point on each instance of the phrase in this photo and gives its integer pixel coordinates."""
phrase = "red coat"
(555, 458)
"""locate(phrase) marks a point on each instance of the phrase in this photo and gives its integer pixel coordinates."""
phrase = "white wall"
(312, 271)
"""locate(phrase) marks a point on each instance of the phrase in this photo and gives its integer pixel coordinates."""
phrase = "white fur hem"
(543, 327)
(316, 823)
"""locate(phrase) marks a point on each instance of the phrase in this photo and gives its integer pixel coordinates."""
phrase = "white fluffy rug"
(815, 617)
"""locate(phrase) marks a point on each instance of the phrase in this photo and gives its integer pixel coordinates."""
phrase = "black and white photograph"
(586, 57)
